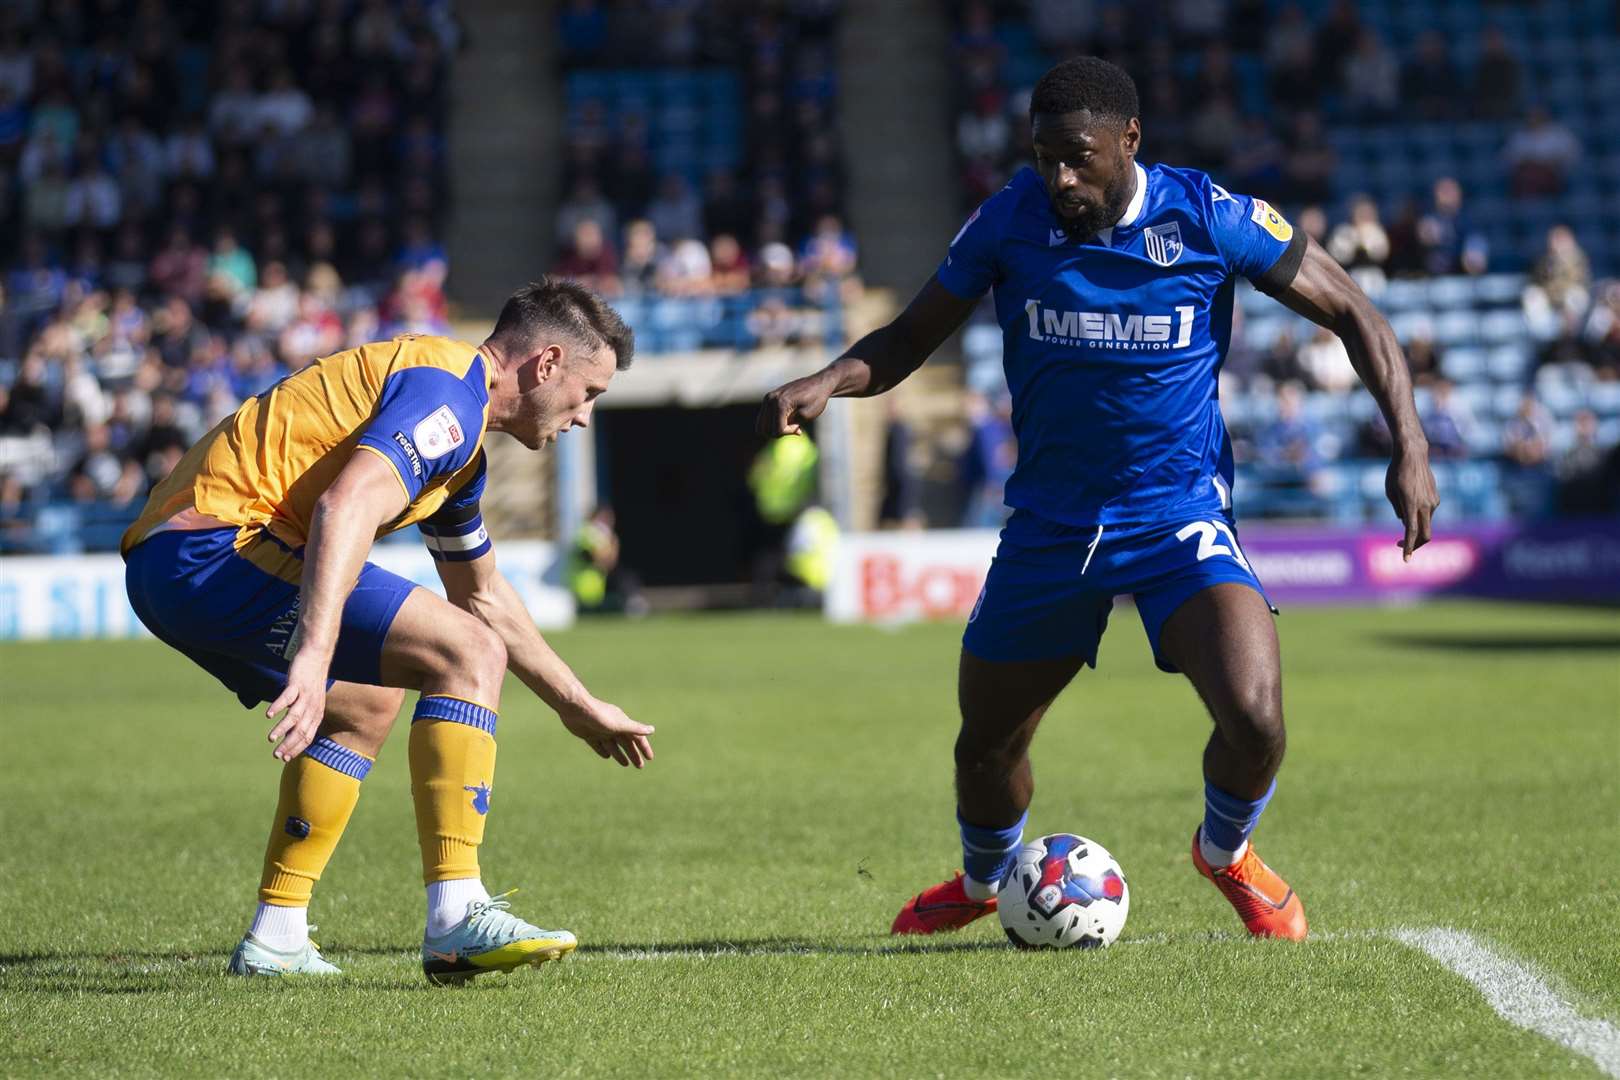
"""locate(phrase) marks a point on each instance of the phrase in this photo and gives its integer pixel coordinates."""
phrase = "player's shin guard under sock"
(318, 791)
(452, 768)
(1229, 820)
(987, 855)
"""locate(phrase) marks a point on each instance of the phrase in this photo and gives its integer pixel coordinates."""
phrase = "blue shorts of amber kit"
(1051, 586)
(232, 611)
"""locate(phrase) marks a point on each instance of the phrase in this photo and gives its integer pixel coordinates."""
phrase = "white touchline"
(1519, 996)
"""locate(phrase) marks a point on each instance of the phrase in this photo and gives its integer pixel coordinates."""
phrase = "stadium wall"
(82, 596)
(902, 576)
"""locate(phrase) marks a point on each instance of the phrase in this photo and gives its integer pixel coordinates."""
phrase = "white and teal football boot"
(254, 957)
(490, 938)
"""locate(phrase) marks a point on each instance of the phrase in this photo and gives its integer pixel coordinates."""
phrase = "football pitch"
(1449, 810)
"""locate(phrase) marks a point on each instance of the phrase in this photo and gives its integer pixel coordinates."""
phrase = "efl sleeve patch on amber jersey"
(427, 423)
(439, 434)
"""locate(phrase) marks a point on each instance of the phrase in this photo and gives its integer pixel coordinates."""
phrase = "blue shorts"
(233, 611)
(1051, 587)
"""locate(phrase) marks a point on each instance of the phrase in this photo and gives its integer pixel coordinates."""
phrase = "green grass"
(1456, 765)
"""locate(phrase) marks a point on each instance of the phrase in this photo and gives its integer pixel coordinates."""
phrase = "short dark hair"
(1086, 83)
(558, 305)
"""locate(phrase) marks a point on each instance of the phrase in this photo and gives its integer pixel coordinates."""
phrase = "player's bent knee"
(1253, 726)
(480, 653)
(978, 754)
(384, 708)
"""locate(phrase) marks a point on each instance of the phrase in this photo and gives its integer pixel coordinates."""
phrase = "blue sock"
(987, 854)
(1228, 819)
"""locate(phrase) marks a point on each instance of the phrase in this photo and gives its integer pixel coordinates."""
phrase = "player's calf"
(364, 718)
(319, 790)
(1250, 739)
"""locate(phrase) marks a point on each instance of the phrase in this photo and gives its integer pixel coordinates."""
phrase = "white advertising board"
(901, 576)
(82, 596)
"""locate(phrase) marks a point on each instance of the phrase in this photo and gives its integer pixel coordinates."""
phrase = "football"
(1064, 891)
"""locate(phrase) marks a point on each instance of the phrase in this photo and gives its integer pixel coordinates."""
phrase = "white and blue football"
(1064, 892)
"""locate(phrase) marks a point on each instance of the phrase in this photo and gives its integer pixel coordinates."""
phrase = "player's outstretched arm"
(478, 587)
(1322, 292)
(365, 494)
(879, 361)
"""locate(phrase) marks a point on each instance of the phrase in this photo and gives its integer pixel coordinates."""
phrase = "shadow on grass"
(1494, 643)
(125, 957)
(154, 971)
(129, 971)
(781, 947)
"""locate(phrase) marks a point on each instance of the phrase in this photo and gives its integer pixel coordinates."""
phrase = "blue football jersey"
(1112, 346)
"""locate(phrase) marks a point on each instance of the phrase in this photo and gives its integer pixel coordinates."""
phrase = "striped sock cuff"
(987, 853)
(456, 710)
(1228, 818)
(340, 758)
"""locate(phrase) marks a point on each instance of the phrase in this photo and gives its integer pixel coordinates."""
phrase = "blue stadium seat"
(1562, 399)
(1499, 288)
(1456, 328)
(1450, 292)
(1502, 327)
(1604, 399)
(1475, 397)
(1261, 333)
(1409, 324)
(1485, 438)
(1361, 407)
(1511, 363)
(981, 343)
(1506, 400)
(1403, 294)
(1464, 364)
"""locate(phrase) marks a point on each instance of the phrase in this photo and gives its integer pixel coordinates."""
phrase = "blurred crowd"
(723, 177)
(196, 201)
(1265, 136)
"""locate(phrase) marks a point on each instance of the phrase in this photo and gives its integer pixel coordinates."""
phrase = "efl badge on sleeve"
(1163, 242)
(1268, 219)
(439, 434)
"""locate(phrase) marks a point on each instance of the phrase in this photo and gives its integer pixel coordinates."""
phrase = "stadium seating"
(254, 201)
(1569, 55)
(745, 97)
(693, 118)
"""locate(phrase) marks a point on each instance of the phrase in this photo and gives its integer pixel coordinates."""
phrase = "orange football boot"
(946, 906)
(1265, 903)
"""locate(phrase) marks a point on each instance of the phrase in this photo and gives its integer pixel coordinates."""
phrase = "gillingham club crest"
(1163, 242)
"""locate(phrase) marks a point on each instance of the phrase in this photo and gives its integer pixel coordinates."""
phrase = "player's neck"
(1133, 174)
(503, 391)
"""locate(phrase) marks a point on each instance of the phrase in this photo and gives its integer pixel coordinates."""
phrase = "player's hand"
(607, 730)
(1411, 490)
(790, 406)
(305, 701)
